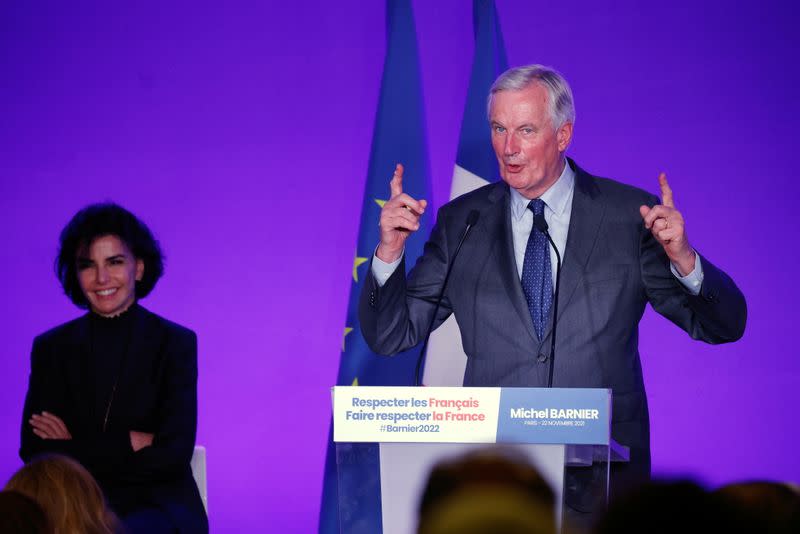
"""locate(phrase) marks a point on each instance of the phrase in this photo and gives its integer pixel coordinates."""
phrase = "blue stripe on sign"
(555, 415)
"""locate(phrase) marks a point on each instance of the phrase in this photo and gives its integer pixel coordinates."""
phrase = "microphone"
(472, 219)
(541, 225)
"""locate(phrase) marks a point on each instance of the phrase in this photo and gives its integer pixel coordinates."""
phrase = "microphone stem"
(421, 358)
(555, 311)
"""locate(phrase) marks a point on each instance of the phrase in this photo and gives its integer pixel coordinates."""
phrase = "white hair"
(560, 102)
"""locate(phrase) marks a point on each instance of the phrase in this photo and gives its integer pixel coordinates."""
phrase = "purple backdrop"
(240, 134)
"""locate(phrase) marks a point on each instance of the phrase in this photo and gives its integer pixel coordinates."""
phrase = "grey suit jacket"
(612, 268)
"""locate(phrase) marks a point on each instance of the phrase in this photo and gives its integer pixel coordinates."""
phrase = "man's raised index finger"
(396, 185)
(666, 192)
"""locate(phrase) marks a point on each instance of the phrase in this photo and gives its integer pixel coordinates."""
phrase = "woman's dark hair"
(98, 220)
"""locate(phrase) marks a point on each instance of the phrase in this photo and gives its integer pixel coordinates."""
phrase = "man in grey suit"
(621, 249)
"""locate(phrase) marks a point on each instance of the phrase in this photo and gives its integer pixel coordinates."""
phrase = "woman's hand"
(140, 440)
(49, 426)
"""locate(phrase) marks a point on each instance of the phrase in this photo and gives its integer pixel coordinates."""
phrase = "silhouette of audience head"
(675, 506)
(68, 494)
(489, 491)
(766, 506)
(19, 514)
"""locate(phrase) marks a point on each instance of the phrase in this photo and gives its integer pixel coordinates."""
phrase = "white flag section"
(446, 361)
(476, 166)
(464, 182)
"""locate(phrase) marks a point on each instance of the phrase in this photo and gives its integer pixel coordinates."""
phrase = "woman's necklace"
(122, 361)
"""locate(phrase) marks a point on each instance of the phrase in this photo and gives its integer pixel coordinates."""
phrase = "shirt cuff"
(692, 281)
(382, 270)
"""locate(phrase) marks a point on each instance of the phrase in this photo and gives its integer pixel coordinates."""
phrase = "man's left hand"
(667, 225)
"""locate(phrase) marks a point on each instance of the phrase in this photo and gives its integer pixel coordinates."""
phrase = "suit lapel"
(507, 262)
(587, 215)
(588, 212)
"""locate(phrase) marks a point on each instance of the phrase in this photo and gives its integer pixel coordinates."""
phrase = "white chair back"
(199, 472)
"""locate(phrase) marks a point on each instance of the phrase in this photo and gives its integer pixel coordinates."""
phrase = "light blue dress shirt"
(557, 211)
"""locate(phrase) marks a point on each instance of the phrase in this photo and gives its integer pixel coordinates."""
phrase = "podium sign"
(471, 415)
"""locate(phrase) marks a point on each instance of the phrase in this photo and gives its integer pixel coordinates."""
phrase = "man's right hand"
(399, 217)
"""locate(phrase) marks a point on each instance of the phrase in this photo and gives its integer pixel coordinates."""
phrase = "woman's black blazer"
(156, 393)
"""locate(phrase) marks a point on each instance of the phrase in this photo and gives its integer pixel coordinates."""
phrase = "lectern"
(389, 438)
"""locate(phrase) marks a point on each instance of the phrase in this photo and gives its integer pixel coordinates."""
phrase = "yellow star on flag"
(356, 262)
(380, 202)
(347, 330)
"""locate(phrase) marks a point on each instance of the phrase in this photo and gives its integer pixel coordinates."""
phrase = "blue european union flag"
(399, 137)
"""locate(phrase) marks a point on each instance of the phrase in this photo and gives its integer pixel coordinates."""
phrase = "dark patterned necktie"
(537, 283)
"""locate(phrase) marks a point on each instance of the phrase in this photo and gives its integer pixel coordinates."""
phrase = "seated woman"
(116, 389)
